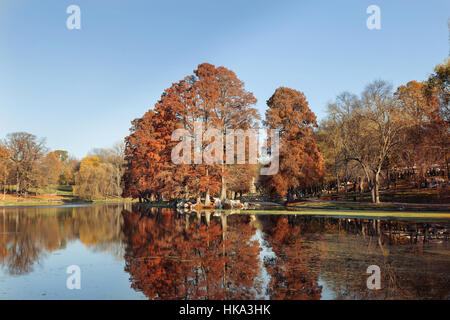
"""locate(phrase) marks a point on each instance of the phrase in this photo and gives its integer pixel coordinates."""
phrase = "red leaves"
(301, 164)
(213, 96)
(173, 257)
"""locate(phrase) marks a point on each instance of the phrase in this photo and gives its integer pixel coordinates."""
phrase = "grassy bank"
(54, 195)
(403, 193)
(352, 213)
(390, 206)
(357, 214)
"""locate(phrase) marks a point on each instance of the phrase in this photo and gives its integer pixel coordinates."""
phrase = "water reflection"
(171, 255)
(28, 235)
(191, 257)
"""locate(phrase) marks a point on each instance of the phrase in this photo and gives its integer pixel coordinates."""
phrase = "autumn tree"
(70, 167)
(240, 179)
(233, 110)
(50, 169)
(439, 83)
(26, 151)
(419, 145)
(300, 162)
(93, 180)
(147, 157)
(4, 168)
(438, 86)
(62, 155)
(116, 158)
(213, 97)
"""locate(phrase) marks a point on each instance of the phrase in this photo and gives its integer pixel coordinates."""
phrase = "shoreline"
(273, 208)
(60, 203)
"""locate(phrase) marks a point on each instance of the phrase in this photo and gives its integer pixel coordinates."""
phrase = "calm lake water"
(127, 252)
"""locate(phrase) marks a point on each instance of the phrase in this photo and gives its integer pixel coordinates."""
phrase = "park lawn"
(31, 202)
(369, 206)
(60, 190)
(340, 205)
(402, 194)
(53, 195)
(353, 213)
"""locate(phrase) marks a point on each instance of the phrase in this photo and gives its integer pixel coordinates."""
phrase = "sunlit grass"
(353, 213)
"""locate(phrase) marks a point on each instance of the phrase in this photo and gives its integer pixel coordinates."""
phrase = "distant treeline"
(367, 141)
(26, 165)
(382, 137)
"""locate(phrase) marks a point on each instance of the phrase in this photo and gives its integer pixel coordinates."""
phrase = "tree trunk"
(207, 198)
(388, 177)
(208, 217)
(372, 192)
(223, 190)
(337, 183)
(290, 197)
(375, 188)
(346, 180)
(17, 186)
(252, 186)
(446, 164)
(377, 193)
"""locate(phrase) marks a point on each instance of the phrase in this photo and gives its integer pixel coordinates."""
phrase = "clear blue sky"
(81, 88)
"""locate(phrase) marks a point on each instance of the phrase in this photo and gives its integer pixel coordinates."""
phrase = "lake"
(132, 252)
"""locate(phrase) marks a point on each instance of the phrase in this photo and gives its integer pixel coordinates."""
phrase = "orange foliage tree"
(4, 168)
(51, 169)
(423, 128)
(213, 96)
(300, 162)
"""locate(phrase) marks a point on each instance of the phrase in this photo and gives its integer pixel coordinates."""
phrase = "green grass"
(29, 203)
(64, 190)
(65, 194)
(36, 202)
(370, 206)
(338, 205)
(352, 213)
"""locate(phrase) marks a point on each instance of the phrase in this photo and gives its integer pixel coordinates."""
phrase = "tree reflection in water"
(209, 255)
(413, 257)
(28, 235)
(295, 269)
(170, 256)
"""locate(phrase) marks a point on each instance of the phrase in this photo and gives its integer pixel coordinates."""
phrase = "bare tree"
(369, 129)
(26, 150)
